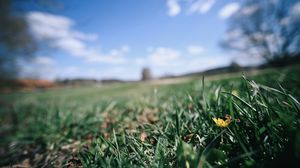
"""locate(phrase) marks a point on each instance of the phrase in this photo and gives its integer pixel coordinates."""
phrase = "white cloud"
(241, 44)
(160, 57)
(245, 60)
(296, 9)
(208, 62)
(48, 26)
(42, 60)
(249, 10)
(140, 61)
(195, 49)
(258, 36)
(228, 10)
(84, 36)
(201, 6)
(106, 59)
(125, 48)
(114, 56)
(70, 70)
(164, 60)
(173, 7)
(73, 46)
(61, 34)
(235, 33)
(285, 21)
(163, 56)
(37, 67)
(96, 72)
(273, 40)
(294, 15)
(193, 6)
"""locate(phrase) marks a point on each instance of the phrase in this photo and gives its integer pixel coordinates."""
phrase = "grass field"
(157, 124)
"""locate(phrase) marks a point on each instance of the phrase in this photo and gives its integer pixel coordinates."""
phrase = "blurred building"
(146, 74)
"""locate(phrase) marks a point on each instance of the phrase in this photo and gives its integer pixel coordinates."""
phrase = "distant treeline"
(82, 81)
(37, 84)
(25, 84)
(235, 67)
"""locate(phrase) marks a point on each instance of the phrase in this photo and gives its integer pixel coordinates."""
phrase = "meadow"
(233, 120)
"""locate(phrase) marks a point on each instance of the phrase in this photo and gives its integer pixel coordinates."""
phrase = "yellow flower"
(222, 123)
(235, 92)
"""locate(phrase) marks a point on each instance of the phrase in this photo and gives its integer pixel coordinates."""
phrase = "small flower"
(222, 123)
(235, 92)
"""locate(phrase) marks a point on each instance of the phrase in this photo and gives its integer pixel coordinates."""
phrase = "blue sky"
(117, 38)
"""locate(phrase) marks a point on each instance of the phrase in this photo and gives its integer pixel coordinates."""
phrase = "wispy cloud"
(296, 10)
(45, 65)
(173, 7)
(195, 49)
(285, 21)
(114, 56)
(193, 6)
(293, 17)
(42, 60)
(59, 31)
(233, 34)
(119, 72)
(201, 6)
(197, 64)
(249, 10)
(162, 56)
(70, 70)
(228, 10)
(48, 26)
(71, 45)
(164, 60)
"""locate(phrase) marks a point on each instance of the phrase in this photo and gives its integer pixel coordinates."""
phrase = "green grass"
(152, 125)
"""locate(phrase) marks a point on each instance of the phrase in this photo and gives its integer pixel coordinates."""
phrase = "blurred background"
(53, 43)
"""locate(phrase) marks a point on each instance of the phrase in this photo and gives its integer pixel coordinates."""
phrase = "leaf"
(216, 156)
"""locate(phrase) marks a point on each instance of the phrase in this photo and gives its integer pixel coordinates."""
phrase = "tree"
(265, 28)
(235, 67)
(16, 41)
